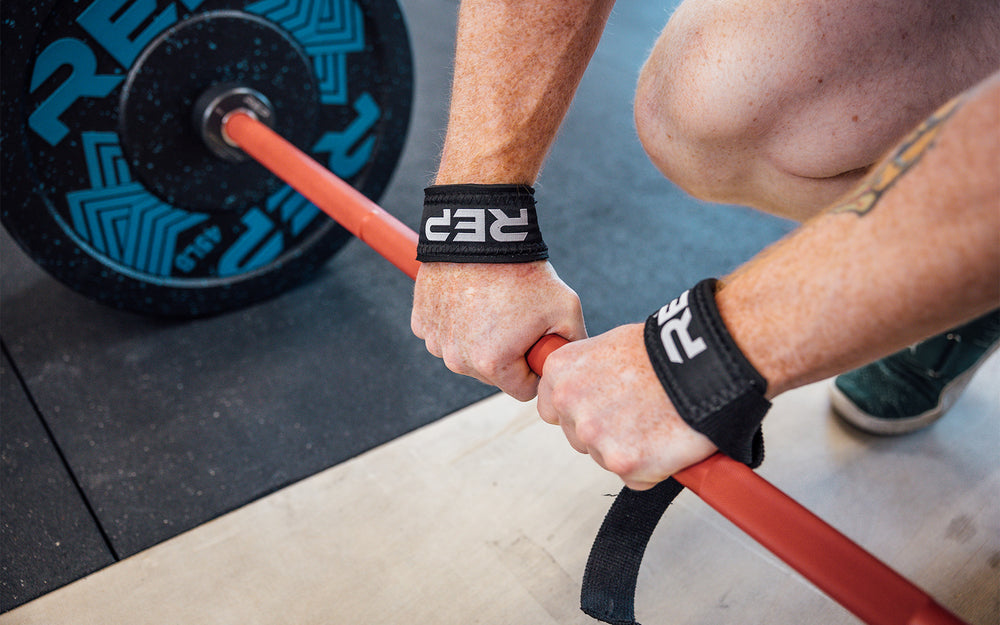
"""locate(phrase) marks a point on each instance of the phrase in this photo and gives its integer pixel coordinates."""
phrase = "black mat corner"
(48, 538)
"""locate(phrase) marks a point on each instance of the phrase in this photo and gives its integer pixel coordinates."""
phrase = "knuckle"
(620, 463)
(562, 399)
(571, 304)
(639, 484)
(522, 387)
(589, 433)
(518, 386)
(453, 360)
(432, 347)
(488, 366)
(417, 327)
(522, 393)
(547, 415)
(546, 409)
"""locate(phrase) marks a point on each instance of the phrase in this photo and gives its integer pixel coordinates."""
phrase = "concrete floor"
(487, 516)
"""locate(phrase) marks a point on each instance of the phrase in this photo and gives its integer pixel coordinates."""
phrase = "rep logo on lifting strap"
(479, 223)
(468, 225)
(674, 319)
(709, 381)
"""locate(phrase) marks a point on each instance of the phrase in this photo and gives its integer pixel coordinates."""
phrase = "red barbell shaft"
(836, 565)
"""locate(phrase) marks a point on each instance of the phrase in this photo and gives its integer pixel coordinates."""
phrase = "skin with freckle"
(488, 331)
(606, 381)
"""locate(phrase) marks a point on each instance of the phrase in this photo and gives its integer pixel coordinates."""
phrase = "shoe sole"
(849, 412)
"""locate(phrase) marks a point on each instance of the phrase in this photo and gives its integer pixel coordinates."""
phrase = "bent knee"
(740, 98)
(700, 111)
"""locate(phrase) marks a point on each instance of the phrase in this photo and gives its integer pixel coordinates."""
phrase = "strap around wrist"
(711, 384)
(475, 223)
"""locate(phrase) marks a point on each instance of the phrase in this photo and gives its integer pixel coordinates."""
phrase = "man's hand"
(610, 404)
(483, 318)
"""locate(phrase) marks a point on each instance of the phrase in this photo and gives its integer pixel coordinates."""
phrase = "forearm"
(878, 272)
(517, 66)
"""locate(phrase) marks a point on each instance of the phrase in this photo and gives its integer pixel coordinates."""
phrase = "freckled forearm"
(517, 67)
(913, 252)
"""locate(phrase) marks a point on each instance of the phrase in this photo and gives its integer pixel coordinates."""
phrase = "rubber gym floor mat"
(48, 537)
(168, 424)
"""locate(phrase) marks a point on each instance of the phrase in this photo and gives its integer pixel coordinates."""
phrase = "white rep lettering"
(673, 325)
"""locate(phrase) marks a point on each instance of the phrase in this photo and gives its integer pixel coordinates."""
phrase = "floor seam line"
(58, 449)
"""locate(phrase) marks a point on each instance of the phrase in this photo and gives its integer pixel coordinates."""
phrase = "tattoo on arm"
(906, 155)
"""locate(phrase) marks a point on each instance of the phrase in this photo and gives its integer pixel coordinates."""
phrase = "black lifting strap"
(608, 592)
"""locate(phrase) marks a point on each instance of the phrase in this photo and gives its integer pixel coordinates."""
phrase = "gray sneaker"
(914, 387)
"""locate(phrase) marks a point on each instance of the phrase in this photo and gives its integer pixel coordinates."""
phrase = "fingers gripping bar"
(832, 562)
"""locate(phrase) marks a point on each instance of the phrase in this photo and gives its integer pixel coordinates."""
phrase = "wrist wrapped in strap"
(474, 223)
(716, 391)
(711, 384)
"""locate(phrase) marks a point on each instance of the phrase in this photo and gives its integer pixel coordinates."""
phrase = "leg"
(785, 108)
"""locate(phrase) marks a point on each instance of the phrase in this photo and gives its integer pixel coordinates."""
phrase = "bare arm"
(517, 67)
(914, 251)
